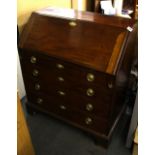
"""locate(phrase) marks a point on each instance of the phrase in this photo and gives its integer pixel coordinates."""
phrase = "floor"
(53, 137)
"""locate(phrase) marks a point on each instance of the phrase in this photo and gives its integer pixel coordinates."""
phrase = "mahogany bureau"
(75, 67)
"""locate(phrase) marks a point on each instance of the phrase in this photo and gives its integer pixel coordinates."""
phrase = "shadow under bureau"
(76, 65)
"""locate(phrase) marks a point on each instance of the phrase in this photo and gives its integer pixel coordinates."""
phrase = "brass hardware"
(90, 77)
(89, 107)
(90, 92)
(61, 79)
(60, 66)
(61, 93)
(33, 60)
(72, 23)
(37, 86)
(88, 121)
(35, 72)
(110, 85)
(62, 107)
(39, 100)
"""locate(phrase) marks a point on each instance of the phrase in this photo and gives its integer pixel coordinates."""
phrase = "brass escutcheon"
(61, 79)
(89, 107)
(33, 59)
(90, 92)
(35, 72)
(60, 66)
(62, 107)
(72, 23)
(90, 77)
(88, 121)
(61, 93)
(37, 86)
(39, 100)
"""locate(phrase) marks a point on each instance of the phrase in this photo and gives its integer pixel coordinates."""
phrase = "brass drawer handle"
(90, 92)
(35, 72)
(39, 100)
(89, 107)
(60, 66)
(61, 93)
(62, 107)
(33, 59)
(88, 121)
(37, 86)
(72, 23)
(110, 85)
(61, 79)
(90, 77)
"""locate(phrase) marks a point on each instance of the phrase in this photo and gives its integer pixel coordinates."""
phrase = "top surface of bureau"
(84, 38)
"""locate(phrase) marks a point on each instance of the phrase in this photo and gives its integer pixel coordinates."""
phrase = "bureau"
(75, 67)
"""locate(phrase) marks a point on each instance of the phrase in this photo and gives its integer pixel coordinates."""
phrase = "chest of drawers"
(75, 67)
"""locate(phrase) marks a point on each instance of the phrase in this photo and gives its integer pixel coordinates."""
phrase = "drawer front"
(36, 59)
(80, 88)
(87, 106)
(71, 73)
(49, 82)
(84, 120)
(64, 112)
(42, 100)
(68, 93)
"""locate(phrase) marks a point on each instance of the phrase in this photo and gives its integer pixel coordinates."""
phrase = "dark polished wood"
(79, 38)
(77, 69)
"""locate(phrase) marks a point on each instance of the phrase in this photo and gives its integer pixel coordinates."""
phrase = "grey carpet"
(53, 137)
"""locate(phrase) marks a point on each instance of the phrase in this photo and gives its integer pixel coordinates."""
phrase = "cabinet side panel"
(122, 76)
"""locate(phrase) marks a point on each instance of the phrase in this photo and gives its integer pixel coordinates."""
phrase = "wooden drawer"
(87, 106)
(88, 121)
(38, 73)
(71, 73)
(34, 59)
(67, 91)
(63, 111)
